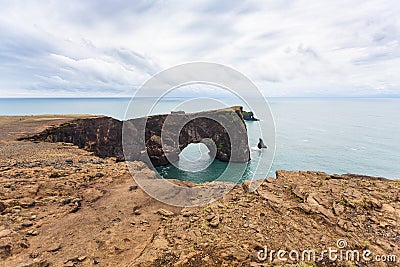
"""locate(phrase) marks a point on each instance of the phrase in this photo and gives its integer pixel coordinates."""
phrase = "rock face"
(101, 135)
(222, 131)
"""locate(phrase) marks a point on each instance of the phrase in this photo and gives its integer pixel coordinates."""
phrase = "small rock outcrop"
(261, 144)
(222, 131)
(249, 116)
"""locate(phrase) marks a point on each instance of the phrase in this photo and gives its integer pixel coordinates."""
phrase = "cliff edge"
(64, 206)
(164, 136)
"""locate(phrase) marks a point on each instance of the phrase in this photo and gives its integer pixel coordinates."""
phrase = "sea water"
(335, 135)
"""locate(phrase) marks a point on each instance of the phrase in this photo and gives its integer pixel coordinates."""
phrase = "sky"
(287, 48)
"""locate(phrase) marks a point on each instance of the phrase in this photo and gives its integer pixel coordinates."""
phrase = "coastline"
(63, 206)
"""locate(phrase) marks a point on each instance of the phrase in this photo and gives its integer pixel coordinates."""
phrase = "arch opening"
(195, 157)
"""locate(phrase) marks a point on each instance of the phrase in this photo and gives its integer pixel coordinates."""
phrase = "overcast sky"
(288, 48)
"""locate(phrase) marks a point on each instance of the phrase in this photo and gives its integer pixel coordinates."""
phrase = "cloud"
(133, 60)
(288, 48)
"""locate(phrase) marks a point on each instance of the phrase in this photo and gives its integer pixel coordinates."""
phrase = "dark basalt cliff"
(222, 131)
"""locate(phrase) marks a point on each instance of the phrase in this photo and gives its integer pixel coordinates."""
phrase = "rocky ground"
(63, 206)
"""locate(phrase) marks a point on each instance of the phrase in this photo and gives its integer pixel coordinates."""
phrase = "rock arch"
(103, 135)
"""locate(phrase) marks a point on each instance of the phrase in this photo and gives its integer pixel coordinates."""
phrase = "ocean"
(334, 135)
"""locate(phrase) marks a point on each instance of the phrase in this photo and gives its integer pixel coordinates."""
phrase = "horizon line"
(130, 97)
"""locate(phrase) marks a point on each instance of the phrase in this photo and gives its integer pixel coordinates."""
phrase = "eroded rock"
(103, 136)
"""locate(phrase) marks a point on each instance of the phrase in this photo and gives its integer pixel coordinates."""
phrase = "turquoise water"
(335, 135)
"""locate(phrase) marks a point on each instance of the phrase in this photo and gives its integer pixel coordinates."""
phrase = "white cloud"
(286, 47)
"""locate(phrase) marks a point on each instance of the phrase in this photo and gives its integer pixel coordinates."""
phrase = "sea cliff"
(61, 205)
(223, 131)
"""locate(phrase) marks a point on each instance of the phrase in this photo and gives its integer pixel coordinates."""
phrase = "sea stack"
(261, 144)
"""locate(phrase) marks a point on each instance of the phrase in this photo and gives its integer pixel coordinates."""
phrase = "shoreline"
(46, 121)
(63, 206)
